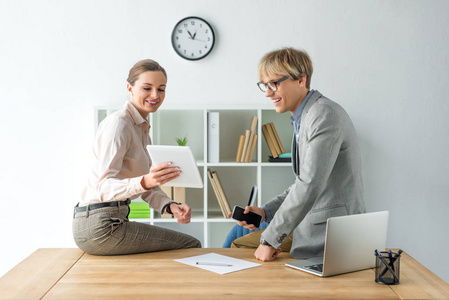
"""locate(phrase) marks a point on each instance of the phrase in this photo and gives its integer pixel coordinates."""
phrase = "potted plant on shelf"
(182, 142)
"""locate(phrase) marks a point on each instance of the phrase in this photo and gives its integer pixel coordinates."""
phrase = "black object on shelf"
(279, 159)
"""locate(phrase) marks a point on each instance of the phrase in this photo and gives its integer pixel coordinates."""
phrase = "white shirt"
(121, 160)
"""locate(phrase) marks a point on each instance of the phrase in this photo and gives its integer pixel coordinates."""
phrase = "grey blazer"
(327, 164)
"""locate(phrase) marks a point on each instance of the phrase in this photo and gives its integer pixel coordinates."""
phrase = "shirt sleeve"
(157, 199)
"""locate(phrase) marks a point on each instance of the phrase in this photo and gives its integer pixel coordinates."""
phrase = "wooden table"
(72, 274)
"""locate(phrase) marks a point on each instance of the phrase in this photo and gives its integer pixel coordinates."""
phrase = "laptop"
(349, 245)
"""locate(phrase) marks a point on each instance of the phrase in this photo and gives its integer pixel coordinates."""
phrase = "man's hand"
(254, 209)
(267, 253)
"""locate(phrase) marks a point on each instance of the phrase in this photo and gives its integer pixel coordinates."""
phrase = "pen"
(212, 264)
(390, 256)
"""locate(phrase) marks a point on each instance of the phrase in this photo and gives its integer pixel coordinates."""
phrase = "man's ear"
(302, 79)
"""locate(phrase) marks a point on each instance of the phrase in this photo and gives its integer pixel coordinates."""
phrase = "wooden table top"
(72, 274)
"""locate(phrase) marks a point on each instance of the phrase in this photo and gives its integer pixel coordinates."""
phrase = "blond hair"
(141, 67)
(288, 62)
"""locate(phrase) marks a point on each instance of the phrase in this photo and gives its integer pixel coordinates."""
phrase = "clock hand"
(192, 37)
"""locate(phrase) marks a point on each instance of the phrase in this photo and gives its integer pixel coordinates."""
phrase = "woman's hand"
(254, 209)
(159, 174)
(182, 212)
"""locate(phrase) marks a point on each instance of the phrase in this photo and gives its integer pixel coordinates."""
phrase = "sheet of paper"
(217, 263)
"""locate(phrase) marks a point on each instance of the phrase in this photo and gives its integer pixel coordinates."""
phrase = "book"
(273, 141)
(250, 137)
(219, 193)
(251, 151)
(240, 148)
(245, 145)
(213, 137)
(269, 141)
(224, 199)
(139, 210)
(279, 159)
(276, 136)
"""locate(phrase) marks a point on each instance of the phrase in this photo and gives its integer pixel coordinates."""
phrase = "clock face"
(193, 38)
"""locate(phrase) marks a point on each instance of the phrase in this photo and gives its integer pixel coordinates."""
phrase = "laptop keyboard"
(317, 267)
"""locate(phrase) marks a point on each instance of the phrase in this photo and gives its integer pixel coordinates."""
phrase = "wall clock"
(193, 38)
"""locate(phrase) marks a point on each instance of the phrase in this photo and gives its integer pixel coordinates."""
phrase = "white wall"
(386, 62)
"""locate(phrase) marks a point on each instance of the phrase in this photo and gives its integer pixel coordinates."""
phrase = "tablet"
(182, 157)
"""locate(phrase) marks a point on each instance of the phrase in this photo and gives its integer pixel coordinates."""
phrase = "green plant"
(182, 142)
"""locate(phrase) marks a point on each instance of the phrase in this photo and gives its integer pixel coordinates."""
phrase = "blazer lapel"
(315, 96)
(295, 149)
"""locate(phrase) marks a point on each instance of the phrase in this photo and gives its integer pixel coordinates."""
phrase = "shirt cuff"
(135, 186)
(268, 215)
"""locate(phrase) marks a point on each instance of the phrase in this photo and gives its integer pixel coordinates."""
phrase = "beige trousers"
(252, 240)
(107, 231)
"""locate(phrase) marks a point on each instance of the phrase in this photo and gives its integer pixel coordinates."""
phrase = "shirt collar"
(135, 115)
(296, 117)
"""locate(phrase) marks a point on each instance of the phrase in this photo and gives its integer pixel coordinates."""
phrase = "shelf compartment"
(217, 233)
(283, 126)
(171, 124)
(282, 175)
(237, 183)
(195, 229)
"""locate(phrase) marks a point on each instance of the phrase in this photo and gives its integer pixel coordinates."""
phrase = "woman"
(122, 171)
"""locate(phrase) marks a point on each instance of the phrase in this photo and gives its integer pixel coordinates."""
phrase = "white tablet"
(182, 157)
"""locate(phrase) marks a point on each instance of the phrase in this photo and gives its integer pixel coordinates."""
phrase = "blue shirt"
(296, 121)
(296, 117)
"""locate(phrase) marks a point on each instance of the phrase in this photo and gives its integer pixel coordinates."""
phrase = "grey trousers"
(107, 231)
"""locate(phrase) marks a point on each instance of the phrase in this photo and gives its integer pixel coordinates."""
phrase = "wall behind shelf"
(385, 61)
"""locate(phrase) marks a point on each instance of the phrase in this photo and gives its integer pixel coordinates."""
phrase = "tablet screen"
(182, 157)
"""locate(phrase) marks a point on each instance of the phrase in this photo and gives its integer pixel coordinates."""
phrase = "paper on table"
(214, 258)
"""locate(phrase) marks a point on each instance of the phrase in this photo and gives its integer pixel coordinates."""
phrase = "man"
(325, 159)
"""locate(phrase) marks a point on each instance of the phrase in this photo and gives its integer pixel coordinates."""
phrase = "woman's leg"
(107, 231)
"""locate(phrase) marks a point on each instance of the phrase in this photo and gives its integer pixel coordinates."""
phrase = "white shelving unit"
(207, 223)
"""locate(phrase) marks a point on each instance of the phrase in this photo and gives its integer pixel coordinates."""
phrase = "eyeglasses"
(272, 85)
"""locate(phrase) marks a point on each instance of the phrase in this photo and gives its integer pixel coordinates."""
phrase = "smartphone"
(250, 218)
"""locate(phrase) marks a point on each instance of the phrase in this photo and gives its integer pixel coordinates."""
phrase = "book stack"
(139, 210)
(247, 143)
(272, 139)
(219, 193)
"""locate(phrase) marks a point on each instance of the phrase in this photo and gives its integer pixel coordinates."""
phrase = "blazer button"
(282, 238)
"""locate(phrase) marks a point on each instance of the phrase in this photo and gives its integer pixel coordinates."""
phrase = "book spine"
(266, 134)
(273, 139)
(276, 137)
(238, 157)
(253, 146)
(223, 195)
(246, 145)
(217, 192)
